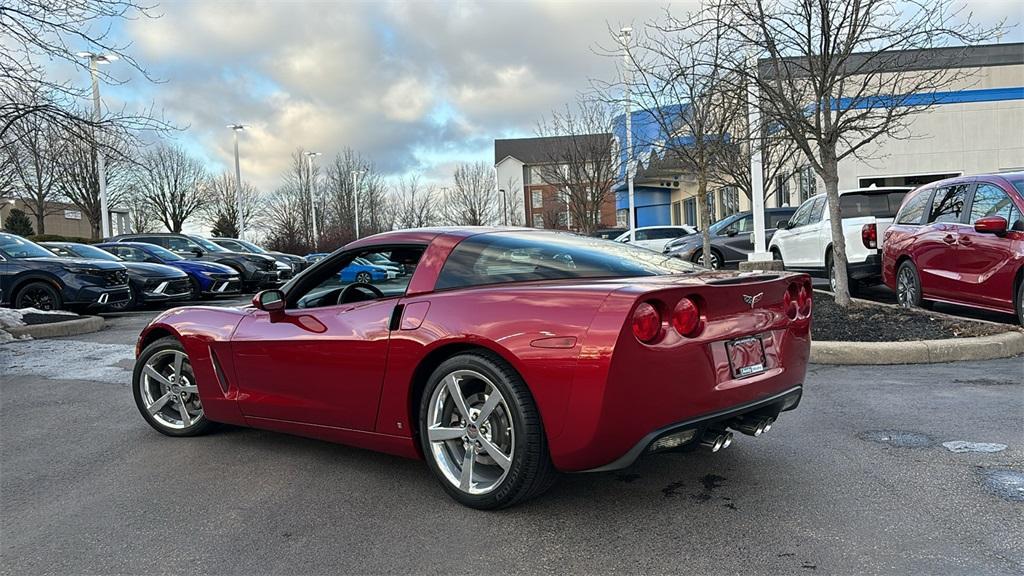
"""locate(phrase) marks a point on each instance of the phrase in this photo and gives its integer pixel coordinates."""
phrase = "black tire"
(200, 425)
(128, 304)
(716, 259)
(364, 278)
(908, 287)
(852, 285)
(39, 295)
(531, 471)
(776, 254)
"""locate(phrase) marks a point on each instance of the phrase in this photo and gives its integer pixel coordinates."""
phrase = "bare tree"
(286, 220)
(512, 204)
(837, 75)
(580, 159)
(32, 151)
(220, 209)
(680, 87)
(415, 204)
(341, 190)
(173, 183)
(141, 216)
(35, 33)
(471, 201)
(78, 176)
(778, 155)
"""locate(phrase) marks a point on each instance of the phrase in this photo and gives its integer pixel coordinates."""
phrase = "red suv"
(961, 241)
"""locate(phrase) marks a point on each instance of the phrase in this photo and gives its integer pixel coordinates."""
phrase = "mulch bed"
(32, 319)
(876, 323)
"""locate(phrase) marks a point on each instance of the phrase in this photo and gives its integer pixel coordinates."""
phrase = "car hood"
(100, 264)
(154, 270)
(201, 266)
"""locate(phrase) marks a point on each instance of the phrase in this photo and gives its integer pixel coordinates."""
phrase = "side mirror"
(991, 225)
(730, 232)
(197, 252)
(783, 225)
(269, 300)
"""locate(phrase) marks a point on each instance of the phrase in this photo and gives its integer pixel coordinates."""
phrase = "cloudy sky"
(416, 86)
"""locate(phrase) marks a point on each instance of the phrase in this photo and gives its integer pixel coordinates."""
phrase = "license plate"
(746, 356)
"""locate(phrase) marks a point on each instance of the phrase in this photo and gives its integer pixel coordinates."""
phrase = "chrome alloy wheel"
(906, 287)
(469, 427)
(715, 264)
(169, 391)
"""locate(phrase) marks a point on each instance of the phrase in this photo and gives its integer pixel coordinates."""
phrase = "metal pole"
(101, 166)
(355, 199)
(760, 253)
(629, 132)
(238, 189)
(312, 204)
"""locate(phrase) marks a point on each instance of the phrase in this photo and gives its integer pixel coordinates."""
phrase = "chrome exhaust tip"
(715, 440)
(752, 426)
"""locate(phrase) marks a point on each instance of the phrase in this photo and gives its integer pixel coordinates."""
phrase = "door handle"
(948, 239)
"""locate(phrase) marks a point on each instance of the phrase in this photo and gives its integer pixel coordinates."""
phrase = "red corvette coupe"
(499, 355)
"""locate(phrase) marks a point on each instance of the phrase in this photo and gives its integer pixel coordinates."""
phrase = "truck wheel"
(852, 285)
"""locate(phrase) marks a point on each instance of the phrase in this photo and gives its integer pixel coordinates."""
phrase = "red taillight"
(869, 235)
(789, 302)
(803, 300)
(646, 323)
(686, 318)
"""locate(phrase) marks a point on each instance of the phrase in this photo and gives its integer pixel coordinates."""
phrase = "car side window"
(379, 273)
(642, 235)
(914, 208)
(61, 251)
(775, 217)
(130, 254)
(817, 210)
(803, 213)
(948, 204)
(990, 200)
(745, 224)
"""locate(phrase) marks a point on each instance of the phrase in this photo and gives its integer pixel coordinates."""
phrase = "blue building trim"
(953, 97)
(653, 205)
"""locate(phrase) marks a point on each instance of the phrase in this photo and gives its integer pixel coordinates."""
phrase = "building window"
(538, 220)
(782, 191)
(729, 198)
(677, 213)
(537, 199)
(710, 197)
(690, 211)
(808, 183)
(622, 218)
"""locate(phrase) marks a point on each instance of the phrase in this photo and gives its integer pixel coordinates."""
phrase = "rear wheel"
(481, 433)
(852, 285)
(38, 295)
(1020, 302)
(165, 390)
(364, 278)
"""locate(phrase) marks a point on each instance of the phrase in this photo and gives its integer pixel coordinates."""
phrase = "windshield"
(206, 244)
(252, 247)
(17, 247)
(1018, 183)
(163, 253)
(86, 251)
(525, 256)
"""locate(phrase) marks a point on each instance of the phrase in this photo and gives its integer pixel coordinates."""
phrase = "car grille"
(223, 276)
(114, 277)
(175, 287)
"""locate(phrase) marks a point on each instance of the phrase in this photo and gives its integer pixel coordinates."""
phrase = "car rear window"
(526, 256)
(877, 204)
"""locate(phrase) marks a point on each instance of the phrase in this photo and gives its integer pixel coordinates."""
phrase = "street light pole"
(355, 196)
(236, 128)
(760, 253)
(312, 200)
(625, 33)
(97, 114)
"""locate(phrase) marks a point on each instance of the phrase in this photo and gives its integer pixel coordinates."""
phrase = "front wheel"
(166, 392)
(38, 295)
(481, 433)
(716, 262)
(364, 278)
(1020, 303)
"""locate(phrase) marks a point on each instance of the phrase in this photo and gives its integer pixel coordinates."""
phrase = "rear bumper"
(781, 402)
(869, 269)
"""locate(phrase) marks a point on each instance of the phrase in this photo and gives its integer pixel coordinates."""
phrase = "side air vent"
(219, 371)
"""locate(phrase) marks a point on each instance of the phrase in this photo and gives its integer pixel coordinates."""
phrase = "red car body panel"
(956, 263)
(340, 373)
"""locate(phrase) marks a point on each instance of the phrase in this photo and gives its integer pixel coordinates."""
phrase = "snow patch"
(960, 446)
(11, 318)
(68, 360)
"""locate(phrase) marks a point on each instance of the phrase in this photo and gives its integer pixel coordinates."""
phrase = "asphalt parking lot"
(856, 481)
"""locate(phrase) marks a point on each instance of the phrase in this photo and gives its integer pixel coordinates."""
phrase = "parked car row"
(134, 270)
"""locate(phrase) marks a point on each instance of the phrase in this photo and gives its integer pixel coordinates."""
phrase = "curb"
(1005, 345)
(83, 325)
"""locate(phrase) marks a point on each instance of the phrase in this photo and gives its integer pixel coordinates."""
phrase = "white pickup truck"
(804, 243)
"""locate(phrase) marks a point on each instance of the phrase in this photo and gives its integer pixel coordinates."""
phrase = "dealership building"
(975, 127)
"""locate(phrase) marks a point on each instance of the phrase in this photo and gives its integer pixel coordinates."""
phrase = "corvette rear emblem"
(753, 300)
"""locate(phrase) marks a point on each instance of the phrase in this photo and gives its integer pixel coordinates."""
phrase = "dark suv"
(33, 277)
(294, 262)
(255, 270)
(731, 238)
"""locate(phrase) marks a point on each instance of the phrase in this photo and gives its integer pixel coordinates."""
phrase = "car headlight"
(74, 269)
(281, 265)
